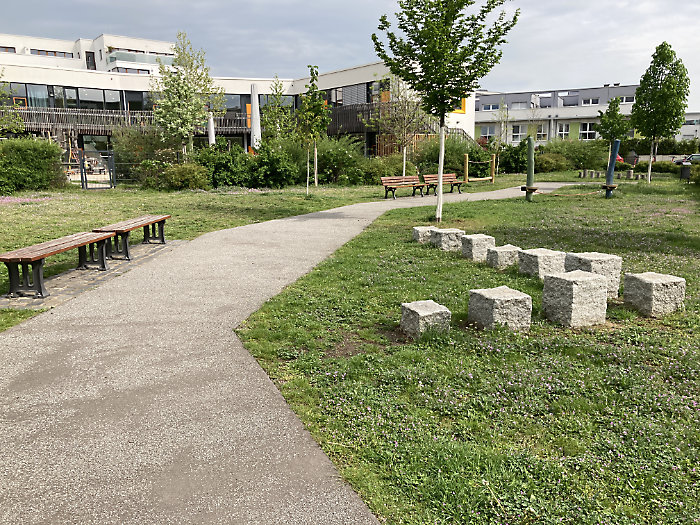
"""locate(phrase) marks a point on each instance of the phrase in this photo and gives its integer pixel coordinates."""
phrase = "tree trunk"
(308, 169)
(441, 168)
(404, 161)
(315, 164)
(651, 159)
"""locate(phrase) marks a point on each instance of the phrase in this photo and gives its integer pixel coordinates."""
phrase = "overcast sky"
(558, 44)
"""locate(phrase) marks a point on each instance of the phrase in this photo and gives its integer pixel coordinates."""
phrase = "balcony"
(138, 58)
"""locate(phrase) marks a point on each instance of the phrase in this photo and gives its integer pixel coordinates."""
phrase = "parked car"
(693, 158)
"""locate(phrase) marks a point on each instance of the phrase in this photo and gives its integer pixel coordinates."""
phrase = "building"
(565, 114)
(81, 90)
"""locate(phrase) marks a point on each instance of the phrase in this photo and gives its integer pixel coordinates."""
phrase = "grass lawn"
(598, 425)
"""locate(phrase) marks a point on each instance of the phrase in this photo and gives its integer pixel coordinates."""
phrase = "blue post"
(610, 175)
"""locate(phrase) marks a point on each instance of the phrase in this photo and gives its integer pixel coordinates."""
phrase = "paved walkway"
(136, 403)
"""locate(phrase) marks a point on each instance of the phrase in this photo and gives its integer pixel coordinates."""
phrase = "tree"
(276, 119)
(313, 119)
(10, 120)
(184, 94)
(502, 117)
(661, 98)
(613, 124)
(443, 53)
(402, 116)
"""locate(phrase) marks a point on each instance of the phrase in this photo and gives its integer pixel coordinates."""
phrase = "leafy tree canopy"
(10, 120)
(613, 124)
(314, 115)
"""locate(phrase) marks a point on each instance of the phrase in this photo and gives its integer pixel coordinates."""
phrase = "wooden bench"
(391, 184)
(33, 283)
(447, 178)
(153, 233)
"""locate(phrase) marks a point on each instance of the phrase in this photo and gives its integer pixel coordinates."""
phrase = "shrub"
(272, 167)
(549, 162)
(591, 155)
(188, 176)
(132, 145)
(695, 174)
(428, 154)
(340, 160)
(623, 166)
(513, 159)
(226, 167)
(658, 167)
(28, 164)
(388, 166)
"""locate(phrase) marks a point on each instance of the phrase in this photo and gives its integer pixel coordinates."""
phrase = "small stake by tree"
(402, 117)
(661, 98)
(276, 117)
(443, 53)
(613, 124)
(185, 94)
(313, 119)
(10, 120)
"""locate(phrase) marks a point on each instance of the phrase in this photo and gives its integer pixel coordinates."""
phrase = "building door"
(90, 60)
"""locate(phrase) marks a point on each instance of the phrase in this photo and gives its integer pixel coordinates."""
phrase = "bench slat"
(132, 224)
(48, 248)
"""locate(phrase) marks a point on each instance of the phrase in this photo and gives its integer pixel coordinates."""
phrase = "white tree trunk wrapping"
(441, 167)
(404, 161)
(308, 169)
(315, 164)
(651, 159)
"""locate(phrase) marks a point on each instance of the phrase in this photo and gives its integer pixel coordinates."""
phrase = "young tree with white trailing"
(313, 119)
(185, 94)
(442, 53)
(661, 98)
(276, 119)
(502, 118)
(613, 124)
(401, 117)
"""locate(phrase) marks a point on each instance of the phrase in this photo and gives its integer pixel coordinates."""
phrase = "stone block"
(419, 316)
(500, 306)
(654, 294)
(540, 262)
(448, 239)
(605, 264)
(475, 246)
(575, 299)
(421, 234)
(502, 256)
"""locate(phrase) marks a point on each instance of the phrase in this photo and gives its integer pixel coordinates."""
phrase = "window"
(71, 97)
(91, 98)
(38, 96)
(488, 131)
(131, 70)
(519, 105)
(113, 100)
(45, 53)
(6, 49)
(518, 132)
(563, 131)
(587, 131)
(491, 107)
(590, 101)
(541, 132)
(627, 100)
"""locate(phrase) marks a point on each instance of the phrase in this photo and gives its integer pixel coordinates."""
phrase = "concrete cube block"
(475, 246)
(421, 234)
(502, 256)
(540, 262)
(419, 316)
(500, 306)
(605, 264)
(575, 299)
(447, 239)
(654, 294)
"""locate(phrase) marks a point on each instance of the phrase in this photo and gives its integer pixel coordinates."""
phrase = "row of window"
(131, 70)
(528, 105)
(7, 49)
(520, 131)
(111, 49)
(45, 53)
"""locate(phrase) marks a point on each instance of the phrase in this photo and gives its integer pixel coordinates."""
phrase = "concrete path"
(136, 403)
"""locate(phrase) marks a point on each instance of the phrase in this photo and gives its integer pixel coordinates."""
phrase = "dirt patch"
(351, 345)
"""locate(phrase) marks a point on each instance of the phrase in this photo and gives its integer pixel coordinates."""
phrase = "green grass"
(598, 425)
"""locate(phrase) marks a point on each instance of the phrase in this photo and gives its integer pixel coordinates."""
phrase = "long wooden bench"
(32, 283)
(391, 184)
(153, 233)
(447, 178)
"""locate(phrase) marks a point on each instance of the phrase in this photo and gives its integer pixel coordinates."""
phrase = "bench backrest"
(446, 177)
(408, 179)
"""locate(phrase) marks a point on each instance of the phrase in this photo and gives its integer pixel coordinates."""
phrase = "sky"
(556, 45)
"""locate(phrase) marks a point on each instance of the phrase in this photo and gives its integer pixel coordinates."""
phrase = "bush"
(623, 166)
(550, 162)
(695, 174)
(428, 154)
(28, 164)
(513, 159)
(272, 167)
(226, 167)
(133, 145)
(388, 166)
(590, 155)
(188, 176)
(340, 160)
(658, 167)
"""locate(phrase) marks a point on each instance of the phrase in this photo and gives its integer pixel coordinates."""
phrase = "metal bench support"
(154, 235)
(31, 283)
(120, 248)
(96, 257)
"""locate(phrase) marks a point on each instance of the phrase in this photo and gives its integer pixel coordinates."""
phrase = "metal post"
(493, 169)
(610, 175)
(530, 169)
(83, 175)
(466, 168)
